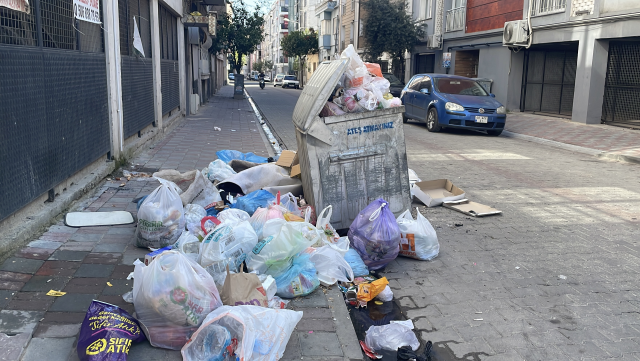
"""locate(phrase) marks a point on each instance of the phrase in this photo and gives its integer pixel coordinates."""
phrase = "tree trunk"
(302, 61)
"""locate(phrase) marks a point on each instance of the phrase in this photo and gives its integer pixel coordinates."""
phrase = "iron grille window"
(128, 9)
(59, 27)
(168, 35)
(17, 28)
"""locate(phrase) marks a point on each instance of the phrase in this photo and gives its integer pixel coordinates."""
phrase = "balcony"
(326, 6)
(544, 7)
(324, 42)
(455, 19)
(284, 9)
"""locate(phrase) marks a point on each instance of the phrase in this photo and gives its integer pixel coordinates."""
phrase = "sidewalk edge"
(553, 143)
(344, 327)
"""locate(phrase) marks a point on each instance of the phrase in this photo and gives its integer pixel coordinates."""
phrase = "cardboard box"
(435, 192)
(471, 208)
(288, 158)
(149, 257)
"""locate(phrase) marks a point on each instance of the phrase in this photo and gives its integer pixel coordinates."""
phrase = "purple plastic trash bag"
(107, 333)
(375, 235)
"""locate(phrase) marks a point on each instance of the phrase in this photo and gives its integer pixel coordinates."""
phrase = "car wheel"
(494, 133)
(297, 87)
(432, 121)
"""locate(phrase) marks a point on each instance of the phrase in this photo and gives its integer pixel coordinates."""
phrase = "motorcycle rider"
(261, 79)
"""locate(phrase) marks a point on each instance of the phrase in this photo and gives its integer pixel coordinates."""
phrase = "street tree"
(299, 44)
(238, 33)
(268, 65)
(258, 66)
(388, 28)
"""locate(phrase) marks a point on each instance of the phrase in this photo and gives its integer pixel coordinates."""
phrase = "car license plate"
(480, 119)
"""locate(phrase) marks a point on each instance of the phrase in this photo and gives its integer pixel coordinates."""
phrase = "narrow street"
(552, 278)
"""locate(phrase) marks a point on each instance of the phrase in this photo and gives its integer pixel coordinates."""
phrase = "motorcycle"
(261, 83)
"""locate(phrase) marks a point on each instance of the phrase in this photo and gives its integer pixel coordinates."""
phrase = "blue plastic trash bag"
(299, 280)
(353, 259)
(252, 201)
(229, 155)
(375, 235)
(212, 212)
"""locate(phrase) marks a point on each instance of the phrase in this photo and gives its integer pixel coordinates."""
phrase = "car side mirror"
(424, 91)
(492, 95)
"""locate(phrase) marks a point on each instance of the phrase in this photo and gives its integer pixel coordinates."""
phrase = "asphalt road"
(555, 277)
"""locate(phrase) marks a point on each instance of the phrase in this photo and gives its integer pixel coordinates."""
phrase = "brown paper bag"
(243, 289)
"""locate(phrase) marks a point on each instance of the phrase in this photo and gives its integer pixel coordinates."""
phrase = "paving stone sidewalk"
(610, 139)
(81, 261)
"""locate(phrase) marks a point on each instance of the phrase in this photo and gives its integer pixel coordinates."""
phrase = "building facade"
(578, 59)
(276, 27)
(81, 86)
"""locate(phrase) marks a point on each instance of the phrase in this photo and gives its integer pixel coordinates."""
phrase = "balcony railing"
(542, 7)
(284, 25)
(455, 19)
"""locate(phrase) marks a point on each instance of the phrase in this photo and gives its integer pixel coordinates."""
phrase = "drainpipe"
(529, 23)
(116, 37)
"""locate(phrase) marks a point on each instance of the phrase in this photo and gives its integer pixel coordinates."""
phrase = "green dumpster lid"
(316, 92)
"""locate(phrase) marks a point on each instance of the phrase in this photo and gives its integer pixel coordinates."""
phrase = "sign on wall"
(87, 10)
(19, 5)
(446, 60)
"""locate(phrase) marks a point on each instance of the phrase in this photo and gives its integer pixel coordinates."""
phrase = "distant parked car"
(396, 85)
(290, 81)
(278, 79)
(450, 101)
(267, 78)
(231, 76)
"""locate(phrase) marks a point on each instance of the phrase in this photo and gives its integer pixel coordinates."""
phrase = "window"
(425, 9)
(426, 83)
(459, 87)
(416, 83)
(351, 32)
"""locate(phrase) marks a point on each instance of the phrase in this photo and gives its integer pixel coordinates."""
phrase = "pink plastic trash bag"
(375, 235)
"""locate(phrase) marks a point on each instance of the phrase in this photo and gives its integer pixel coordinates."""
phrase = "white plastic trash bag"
(262, 333)
(193, 213)
(227, 242)
(418, 239)
(386, 295)
(329, 234)
(218, 170)
(232, 215)
(172, 296)
(331, 266)
(160, 218)
(391, 337)
(189, 245)
(273, 254)
(201, 192)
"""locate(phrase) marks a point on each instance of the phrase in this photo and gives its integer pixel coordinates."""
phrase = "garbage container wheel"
(432, 121)
(494, 133)
(404, 118)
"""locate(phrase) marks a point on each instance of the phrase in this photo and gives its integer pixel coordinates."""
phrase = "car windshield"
(459, 86)
(290, 77)
(393, 80)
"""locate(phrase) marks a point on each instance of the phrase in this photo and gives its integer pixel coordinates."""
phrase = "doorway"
(622, 85)
(549, 83)
(466, 63)
(424, 63)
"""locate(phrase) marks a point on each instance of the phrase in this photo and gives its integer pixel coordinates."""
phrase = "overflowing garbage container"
(351, 159)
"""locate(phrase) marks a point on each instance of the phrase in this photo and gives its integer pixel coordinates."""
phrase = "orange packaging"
(374, 69)
(367, 291)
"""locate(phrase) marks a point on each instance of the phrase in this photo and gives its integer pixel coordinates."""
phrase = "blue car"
(450, 101)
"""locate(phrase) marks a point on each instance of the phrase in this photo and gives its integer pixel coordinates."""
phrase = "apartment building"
(276, 27)
(572, 58)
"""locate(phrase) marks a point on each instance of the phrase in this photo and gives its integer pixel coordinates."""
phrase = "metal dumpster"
(349, 160)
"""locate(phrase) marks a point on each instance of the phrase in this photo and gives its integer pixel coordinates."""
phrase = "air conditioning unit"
(516, 33)
(434, 41)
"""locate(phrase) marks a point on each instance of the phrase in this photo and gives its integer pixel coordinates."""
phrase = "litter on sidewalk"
(93, 219)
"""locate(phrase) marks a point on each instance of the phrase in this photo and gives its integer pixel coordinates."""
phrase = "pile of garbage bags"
(224, 261)
(361, 88)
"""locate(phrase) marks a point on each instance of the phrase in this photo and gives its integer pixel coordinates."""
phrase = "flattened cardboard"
(435, 192)
(288, 158)
(295, 171)
(471, 208)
